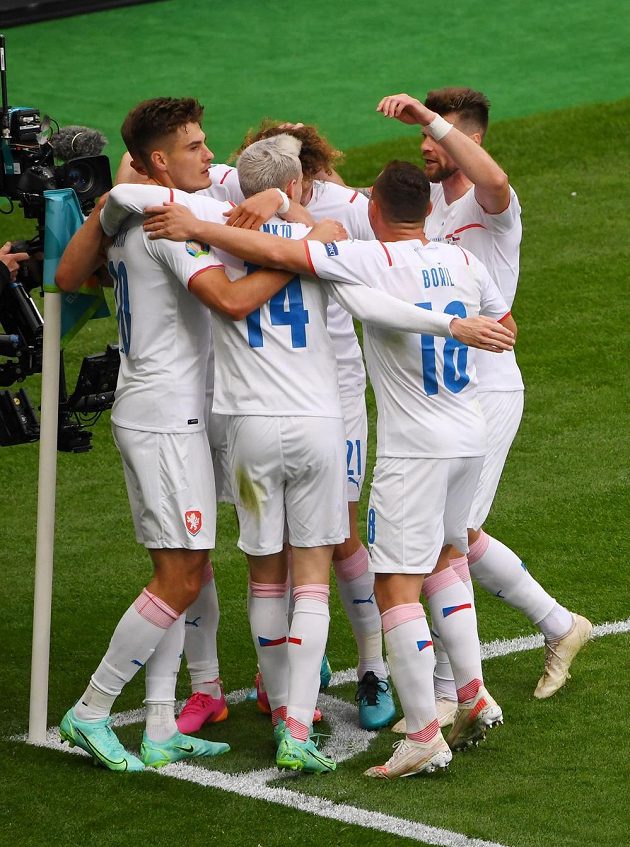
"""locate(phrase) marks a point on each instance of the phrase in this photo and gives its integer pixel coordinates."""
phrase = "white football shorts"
(216, 427)
(170, 483)
(356, 426)
(503, 411)
(416, 507)
(287, 475)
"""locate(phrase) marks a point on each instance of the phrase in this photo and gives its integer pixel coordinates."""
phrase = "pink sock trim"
(427, 734)
(477, 550)
(315, 591)
(279, 714)
(460, 566)
(268, 590)
(154, 610)
(468, 691)
(353, 567)
(398, 615)
(298, 730)
(439, 581)
(208, 573)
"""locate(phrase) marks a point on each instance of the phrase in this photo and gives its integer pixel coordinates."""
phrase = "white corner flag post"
(44, 556)
(63, 217)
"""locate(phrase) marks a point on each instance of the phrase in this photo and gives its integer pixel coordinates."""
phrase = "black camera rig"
(28, 169)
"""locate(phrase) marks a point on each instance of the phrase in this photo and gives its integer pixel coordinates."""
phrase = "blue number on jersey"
(295, 316)
(350, 450)
(121, 296)
(455, 356)
(371, 526)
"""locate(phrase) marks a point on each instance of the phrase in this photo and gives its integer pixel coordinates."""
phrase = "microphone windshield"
(73, 141)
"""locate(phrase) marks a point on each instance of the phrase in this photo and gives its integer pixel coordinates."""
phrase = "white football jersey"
(279, 360)
(225, 185)
(164, 330)
(495, 240)
(348, 206)
(424, 386)
(328, 200)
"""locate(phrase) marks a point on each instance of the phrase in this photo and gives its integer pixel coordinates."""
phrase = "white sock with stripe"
(356, 590)
(135, 638)
(307, 642)
(410, 658)
(200, 642)
(453, 617)
(161, 678)
(501, 572)
(443, 679)
(270, 631)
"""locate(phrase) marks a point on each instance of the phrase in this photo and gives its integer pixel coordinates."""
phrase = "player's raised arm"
(461, 141)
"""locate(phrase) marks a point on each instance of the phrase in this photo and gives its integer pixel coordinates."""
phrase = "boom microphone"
(72, 142)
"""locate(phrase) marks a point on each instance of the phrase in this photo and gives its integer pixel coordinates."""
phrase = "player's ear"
(477, 137)
(290, 190)
(158, 161)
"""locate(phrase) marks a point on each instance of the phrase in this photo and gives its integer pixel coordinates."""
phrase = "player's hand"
(406, 109)
(482, 332)
(171, 221)
(255, 211)
(327, 230)
(288, 125)
(12, 260)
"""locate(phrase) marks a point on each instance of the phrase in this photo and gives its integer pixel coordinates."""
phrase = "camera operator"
(9, 263)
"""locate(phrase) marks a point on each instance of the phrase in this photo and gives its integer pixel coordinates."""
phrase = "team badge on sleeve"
(197, 249)
(331, 249)
(193, 521)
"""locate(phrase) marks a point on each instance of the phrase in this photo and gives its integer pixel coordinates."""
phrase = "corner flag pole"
(44, 556)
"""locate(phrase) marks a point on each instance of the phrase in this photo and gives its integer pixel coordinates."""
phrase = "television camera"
(29, 149)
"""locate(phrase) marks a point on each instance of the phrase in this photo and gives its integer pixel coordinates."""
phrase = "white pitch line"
(241, 784)
(347, 740)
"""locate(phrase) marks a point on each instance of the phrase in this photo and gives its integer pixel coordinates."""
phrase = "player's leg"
(207, 703)
(501, 571)
(267, 608)
(355, 583)
(405, 538)
(178, 576)
(313, 450)
(257, 473)
(453, 612)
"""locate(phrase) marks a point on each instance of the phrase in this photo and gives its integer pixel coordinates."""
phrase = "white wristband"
(439, 127)
(285, 203)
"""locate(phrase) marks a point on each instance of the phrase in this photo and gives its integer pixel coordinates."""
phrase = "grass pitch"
(556, 770)
(555, 773)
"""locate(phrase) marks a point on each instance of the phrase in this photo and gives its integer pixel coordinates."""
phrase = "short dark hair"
(154, 119)
(471, 106)
(403, 192)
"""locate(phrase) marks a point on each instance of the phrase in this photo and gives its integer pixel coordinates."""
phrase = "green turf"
(247, 59)
(556, 770)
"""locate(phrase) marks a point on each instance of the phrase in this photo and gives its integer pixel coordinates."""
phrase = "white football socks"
(270, 631)
(501, 572)
(161, 678)
(356, 590)
(410, 659)
(307, 642)
(200, 643)
(453, 617)
(135, 638)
